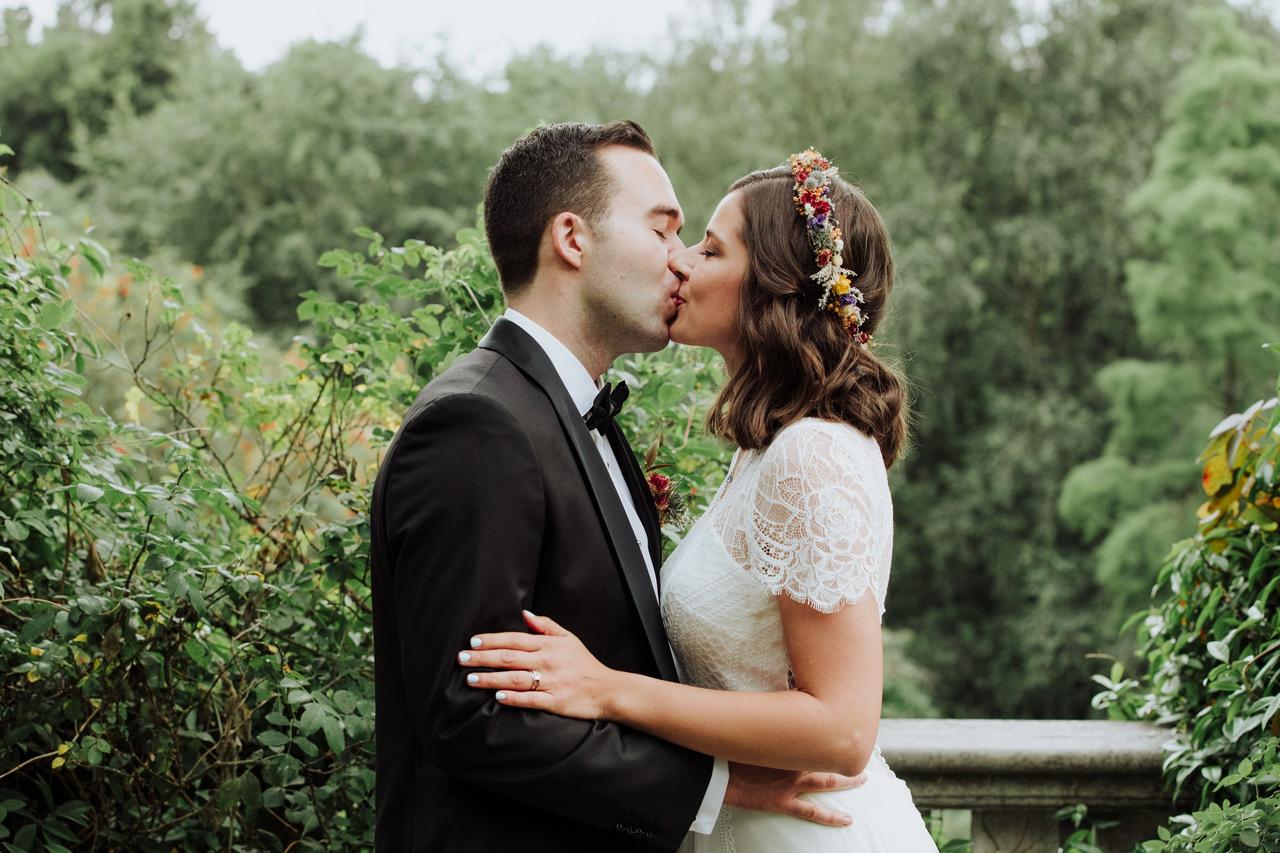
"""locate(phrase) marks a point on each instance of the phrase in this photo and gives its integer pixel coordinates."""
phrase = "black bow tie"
(606, 405)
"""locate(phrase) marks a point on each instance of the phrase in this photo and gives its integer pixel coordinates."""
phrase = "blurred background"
(1086, 269)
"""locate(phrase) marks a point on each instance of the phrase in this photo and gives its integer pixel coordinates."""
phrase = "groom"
(497, 495)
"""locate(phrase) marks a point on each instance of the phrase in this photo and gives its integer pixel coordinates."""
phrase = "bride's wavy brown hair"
(799, 361)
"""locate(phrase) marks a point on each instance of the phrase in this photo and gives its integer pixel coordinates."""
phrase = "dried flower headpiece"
(813, 175)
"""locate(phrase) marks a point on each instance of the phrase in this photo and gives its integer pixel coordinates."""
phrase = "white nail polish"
(527, 612)
(464, 656)
(475, 642)
(472, 678)
(500, 696)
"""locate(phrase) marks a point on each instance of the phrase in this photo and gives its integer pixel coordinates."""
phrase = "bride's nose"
(680, 262)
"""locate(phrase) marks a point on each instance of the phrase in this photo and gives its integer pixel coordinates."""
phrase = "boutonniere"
(672, 503)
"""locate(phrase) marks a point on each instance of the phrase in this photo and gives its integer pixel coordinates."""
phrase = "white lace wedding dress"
(810, 517)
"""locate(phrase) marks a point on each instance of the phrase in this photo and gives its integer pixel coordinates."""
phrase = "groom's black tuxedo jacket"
(491, 499)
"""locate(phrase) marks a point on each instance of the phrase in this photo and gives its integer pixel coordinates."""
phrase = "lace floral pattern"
(812, 517)
(809, 517)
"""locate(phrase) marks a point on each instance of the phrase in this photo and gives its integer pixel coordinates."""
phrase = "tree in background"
(103, 58)
(264, 172)
(1206, 297)
(1019, 143)
(1001, 145)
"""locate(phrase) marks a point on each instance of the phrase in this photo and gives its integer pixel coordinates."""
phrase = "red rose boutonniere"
(672, 503)
(673, 506)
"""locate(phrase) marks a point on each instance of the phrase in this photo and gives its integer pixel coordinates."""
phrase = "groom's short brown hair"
(549, 170)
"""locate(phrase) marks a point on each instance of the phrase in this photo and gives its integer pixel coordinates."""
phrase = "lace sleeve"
(821, 525)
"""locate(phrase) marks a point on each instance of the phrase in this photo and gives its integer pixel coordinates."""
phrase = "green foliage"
(264, 172)
(183, 632)
(1210, 646)
(81, 76)
(1205, 299)
(1208, 212)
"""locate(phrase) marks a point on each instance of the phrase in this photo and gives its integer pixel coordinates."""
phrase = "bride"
(773, 601)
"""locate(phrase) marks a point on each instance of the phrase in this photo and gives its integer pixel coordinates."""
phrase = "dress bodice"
(809, 517)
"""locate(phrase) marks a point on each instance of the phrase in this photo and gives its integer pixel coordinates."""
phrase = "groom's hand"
(763, 789)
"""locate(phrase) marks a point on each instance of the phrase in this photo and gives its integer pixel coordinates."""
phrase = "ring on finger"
(536, 679)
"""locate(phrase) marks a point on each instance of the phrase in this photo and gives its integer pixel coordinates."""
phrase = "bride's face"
(711, 275)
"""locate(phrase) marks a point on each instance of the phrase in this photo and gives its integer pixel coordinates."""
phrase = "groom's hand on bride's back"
(763, 789)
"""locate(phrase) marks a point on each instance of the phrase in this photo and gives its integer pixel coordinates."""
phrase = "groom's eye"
(661, 234)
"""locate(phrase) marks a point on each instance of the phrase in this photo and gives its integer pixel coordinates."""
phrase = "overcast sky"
(481, 35)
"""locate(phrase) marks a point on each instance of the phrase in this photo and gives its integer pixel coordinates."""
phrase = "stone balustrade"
(1014, 774)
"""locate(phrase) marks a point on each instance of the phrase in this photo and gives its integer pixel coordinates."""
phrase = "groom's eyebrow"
(670, 212)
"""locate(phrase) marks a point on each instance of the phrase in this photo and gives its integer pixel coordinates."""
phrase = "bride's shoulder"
(816, 435)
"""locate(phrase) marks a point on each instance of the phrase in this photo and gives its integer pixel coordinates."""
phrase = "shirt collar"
(577, 381)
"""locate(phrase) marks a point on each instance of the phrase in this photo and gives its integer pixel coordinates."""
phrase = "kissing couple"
(544, 682)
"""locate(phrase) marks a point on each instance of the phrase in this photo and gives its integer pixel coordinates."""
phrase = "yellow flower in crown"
(842, 285)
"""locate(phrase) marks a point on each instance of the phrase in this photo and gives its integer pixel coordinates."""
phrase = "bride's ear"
(569, 237)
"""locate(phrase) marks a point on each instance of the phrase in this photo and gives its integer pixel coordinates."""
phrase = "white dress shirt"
(582, 389)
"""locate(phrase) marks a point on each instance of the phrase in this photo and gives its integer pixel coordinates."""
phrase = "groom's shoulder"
(481, 382)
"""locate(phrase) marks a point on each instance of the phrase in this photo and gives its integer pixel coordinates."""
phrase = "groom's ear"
(569, 236)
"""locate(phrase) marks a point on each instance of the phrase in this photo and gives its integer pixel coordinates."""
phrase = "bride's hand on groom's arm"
(550, 670)
(570, 682)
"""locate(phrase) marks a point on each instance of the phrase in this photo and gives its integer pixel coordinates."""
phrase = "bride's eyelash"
(707, 253)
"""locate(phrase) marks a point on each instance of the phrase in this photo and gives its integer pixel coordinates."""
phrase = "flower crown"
(813, 175)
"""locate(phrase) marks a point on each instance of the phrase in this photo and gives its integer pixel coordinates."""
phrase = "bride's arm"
(827, 723)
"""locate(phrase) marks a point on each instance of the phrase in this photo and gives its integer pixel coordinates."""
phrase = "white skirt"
(885, 820)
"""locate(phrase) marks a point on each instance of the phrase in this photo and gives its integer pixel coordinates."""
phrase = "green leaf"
(345, 701)
(196, 597)
(272, 738)
(50, 316)
(333, 735)
(87, 493)
(24, 838)
(196, 651)
(16, 530)
(329, 259)
(250, 791)
(1210, 607)
(312, 718)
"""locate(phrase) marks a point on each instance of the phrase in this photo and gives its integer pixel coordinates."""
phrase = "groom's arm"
(464, 514)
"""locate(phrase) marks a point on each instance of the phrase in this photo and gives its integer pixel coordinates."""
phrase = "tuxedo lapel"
(640, 493)
(512, 342)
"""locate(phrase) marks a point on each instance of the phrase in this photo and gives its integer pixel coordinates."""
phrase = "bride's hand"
(549, 670)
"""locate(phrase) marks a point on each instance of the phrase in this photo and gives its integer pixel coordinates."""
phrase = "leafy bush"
(1212, 648)
(184, 625)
